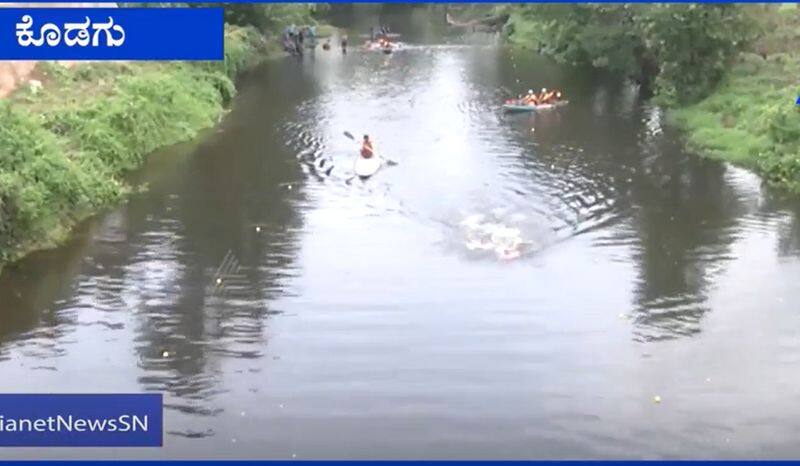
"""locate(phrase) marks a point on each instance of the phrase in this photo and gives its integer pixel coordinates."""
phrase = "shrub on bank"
(63, 150)
(751, 120)
(729, 72)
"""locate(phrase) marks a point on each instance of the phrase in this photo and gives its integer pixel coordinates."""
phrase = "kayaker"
(530, 98)
(542, 94)
(344, 43)
(550, 97)
(366, 147)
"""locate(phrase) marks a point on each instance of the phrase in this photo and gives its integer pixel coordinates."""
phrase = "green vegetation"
(728, 73)
(267, 18)
(65, 146)
(679, 50)
(751, 119)
(273, 16)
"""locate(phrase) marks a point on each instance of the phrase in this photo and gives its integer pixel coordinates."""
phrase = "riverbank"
(67, 142)
(732, 93)
(751, 119)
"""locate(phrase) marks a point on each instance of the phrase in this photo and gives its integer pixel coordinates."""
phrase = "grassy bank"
(751, 119)
(64, 147)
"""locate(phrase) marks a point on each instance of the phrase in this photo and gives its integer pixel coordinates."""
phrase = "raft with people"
(520, 107)
(380, 39)
(532, 102)
(383, 45)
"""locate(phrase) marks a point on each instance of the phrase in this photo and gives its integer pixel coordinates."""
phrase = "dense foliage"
(272, 16)
(679, 50)
(61, 156)
(63, 148)
(264, 16)
(751, 118)
(728, 70)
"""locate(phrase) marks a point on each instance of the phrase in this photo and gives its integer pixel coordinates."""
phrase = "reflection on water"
(518, 286)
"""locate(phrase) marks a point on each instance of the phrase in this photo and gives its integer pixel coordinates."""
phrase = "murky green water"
(364, 320)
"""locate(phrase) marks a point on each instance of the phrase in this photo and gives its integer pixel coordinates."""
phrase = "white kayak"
(365, 168)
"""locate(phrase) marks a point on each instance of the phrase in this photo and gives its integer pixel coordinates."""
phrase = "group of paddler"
(379, 39)
(544, 97)
(294, 38)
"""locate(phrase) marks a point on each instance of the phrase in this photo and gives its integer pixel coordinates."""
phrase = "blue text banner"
(81, 420)
(111, 34)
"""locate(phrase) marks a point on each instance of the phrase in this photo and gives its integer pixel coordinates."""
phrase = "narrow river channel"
(365, 319)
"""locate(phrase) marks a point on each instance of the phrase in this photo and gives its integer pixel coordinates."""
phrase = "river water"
(370, 319)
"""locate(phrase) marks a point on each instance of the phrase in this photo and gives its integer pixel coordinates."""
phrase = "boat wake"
(501, 236)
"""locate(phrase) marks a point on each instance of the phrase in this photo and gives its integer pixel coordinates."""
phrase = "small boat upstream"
(535, 102)
(517, 106)
(384, 46)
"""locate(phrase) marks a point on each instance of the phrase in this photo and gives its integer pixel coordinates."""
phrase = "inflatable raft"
(519, 107)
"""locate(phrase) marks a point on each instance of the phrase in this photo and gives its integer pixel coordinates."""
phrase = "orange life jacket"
(366, 150)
